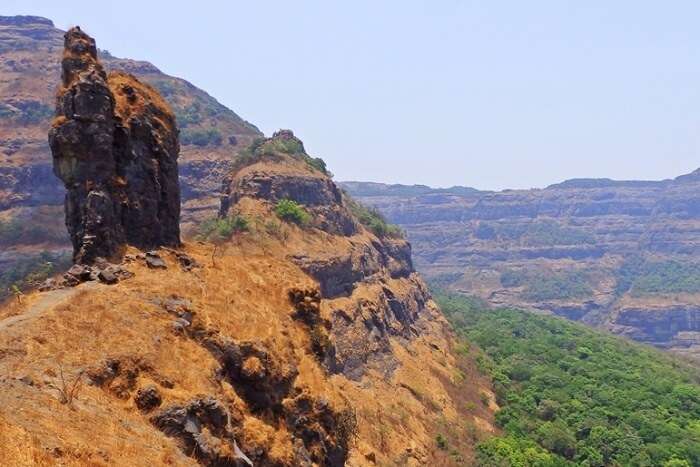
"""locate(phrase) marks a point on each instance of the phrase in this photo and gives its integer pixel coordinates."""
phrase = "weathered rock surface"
(318, 194)
(368, 281)
(115, 147)
(525, 247)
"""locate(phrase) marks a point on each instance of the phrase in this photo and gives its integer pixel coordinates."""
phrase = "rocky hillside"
(292, 340)
(623, 255)
(290, 334)
(31, 198)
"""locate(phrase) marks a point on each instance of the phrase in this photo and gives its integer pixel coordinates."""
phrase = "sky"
(490, 94)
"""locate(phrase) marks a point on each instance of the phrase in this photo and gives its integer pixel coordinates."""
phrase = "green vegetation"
(535, 234)
(441, 442)
(201, 137)
(190, 115)
(31, 271)
(291, 211)
(166, 88)
(373, 220)
(570, 395)
(540, 286)
(222, 229)
(277, 146)
(642, 277)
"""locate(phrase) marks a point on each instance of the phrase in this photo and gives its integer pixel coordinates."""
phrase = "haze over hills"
(622, 255)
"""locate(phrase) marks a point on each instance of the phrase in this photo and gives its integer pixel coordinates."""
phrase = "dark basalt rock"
(147, 398)
(115, 147)
(203, 428)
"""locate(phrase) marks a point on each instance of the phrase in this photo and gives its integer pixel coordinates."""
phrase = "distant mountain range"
(622, 255)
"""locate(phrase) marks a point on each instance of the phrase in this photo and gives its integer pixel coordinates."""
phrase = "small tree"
(290, 211)
(220, 230)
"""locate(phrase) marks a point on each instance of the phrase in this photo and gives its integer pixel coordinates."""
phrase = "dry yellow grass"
(241, 291)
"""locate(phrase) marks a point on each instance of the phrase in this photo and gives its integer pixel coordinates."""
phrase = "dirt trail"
(47, 301)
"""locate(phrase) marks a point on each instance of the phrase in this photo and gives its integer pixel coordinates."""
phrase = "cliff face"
(115, 147)
(585, 249)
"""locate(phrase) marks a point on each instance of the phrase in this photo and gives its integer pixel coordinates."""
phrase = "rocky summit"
(621, 255)
(115, 147)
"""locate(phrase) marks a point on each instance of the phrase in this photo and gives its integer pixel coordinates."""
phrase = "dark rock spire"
(115, 147)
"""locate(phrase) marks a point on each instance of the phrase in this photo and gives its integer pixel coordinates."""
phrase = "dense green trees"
(570, 395)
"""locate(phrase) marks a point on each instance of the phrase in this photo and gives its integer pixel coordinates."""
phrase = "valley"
(619, 255)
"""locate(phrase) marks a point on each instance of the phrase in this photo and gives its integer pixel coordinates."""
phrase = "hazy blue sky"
(491, 94)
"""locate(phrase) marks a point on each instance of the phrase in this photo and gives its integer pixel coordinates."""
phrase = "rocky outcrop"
(367, 281)
(308, 186)
(115, 147)
(658, 325)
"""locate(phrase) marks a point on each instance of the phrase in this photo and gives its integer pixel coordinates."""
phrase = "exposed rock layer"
(499, 245)
(115, 147)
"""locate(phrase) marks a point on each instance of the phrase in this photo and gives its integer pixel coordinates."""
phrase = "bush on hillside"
(275, 148)
(222, 229)
(201, 137)
(373, 220)
(291, 211)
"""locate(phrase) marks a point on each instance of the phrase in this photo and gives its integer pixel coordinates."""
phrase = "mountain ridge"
(621, 255)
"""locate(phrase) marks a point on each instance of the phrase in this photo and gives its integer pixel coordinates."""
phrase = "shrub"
(290, 211)
(222, 229)
(441, 442)
(373, 220)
